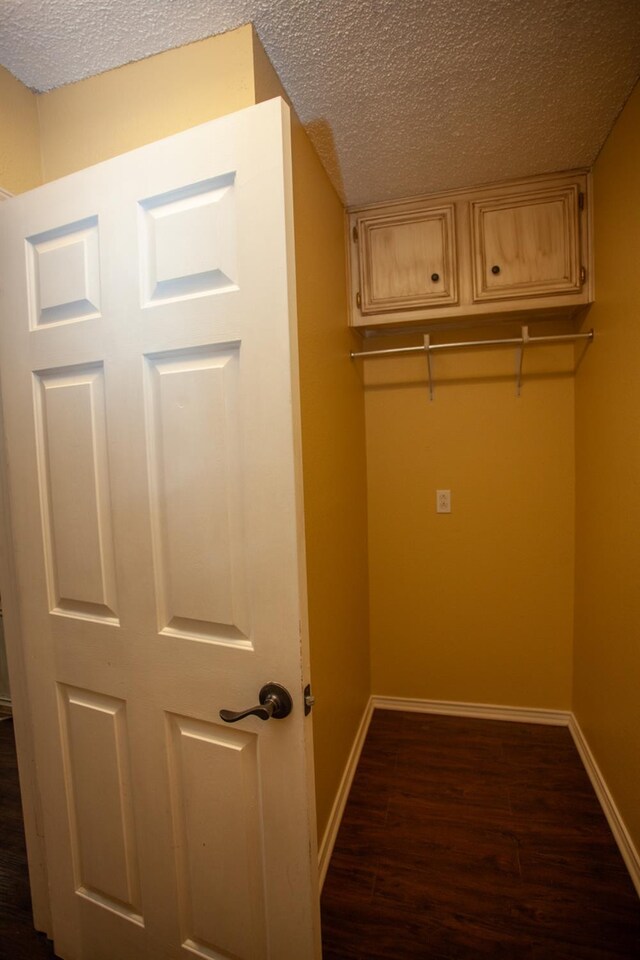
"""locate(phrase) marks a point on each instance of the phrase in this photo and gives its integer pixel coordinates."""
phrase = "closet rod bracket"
(519, 355)
(427, 348)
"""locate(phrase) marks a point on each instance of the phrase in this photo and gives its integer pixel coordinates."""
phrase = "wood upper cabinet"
(491, 253)
(526, 245)
(408, 260)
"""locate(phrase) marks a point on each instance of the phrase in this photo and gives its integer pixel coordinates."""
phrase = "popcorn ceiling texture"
(400, 97)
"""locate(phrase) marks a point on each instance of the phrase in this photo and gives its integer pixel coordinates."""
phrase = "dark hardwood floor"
(471, 839)
(461, 839)
(18, 939)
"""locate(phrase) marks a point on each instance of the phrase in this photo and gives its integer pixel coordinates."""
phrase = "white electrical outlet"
(443, 501)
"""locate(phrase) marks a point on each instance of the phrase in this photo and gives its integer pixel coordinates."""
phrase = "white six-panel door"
(148, 375)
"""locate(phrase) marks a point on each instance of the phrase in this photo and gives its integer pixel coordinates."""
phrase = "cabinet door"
(526, 244)
(407, 260)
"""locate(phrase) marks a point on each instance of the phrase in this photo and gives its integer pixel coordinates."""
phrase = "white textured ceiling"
(400, 96)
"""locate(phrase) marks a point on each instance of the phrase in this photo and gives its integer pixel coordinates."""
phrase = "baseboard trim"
(335, 817)
(628, 850)
(480, 711)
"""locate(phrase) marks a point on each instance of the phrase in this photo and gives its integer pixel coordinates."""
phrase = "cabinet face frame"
(550, 304)
(372, 265)
(486, 286)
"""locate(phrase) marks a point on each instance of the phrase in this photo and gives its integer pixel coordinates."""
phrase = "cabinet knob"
(435, 277)
(495, 269)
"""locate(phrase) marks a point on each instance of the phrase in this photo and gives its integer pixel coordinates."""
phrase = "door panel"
(188, 241)
(74, 491)
(192, 416)
(63, 274)
(148, 372)
(98, 779)
(216, 799)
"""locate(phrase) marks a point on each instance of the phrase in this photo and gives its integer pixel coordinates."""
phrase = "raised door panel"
(98, 786)
(194, 426)
(526, 245)
(188, 241)
(215, 799)
(71, 437)
(63, 274)
(407, 260)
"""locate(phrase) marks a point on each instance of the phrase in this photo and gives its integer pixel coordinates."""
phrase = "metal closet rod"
(522, 341)
(518, 342)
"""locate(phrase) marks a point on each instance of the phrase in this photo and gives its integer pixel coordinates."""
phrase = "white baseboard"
(479, 711)
(627, 848)
(335, 817)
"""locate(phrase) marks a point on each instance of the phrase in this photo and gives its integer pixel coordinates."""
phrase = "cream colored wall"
(476, 605)
(94, 119)
(607, 647)
(334, 466)
(20, 168)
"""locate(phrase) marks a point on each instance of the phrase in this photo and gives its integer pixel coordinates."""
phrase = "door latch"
(309, 700)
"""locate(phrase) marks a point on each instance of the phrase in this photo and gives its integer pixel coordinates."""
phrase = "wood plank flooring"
(472, 839)
(18, 939)
(461, 839)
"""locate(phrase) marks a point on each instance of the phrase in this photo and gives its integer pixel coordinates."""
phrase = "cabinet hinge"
(583, 274)
(355, 234)
(581, 201)
(358, 300)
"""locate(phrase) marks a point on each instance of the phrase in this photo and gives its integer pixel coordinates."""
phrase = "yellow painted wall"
(94, 119)
(607, 639)
(476, 605)
(334, 466)
(19, 140)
